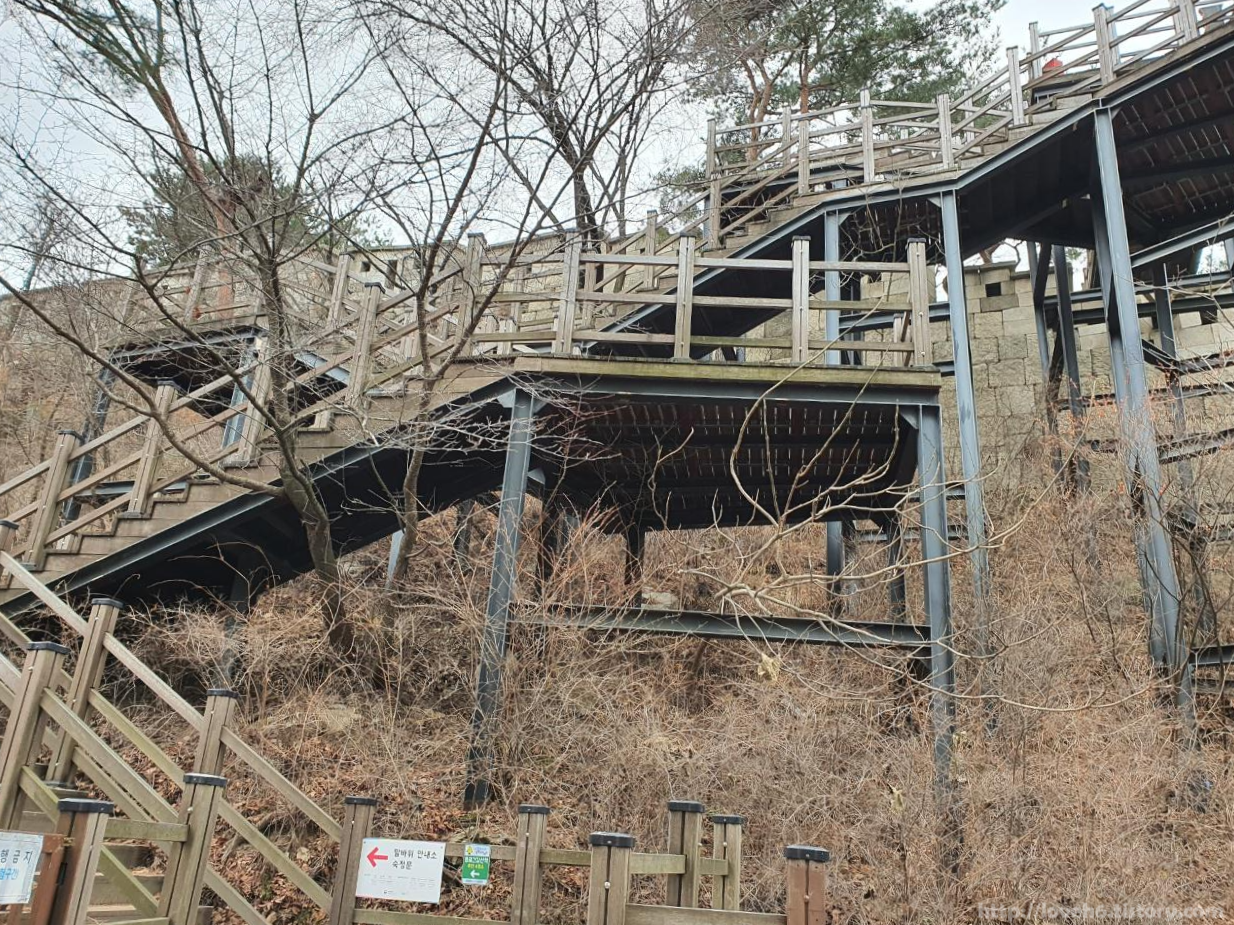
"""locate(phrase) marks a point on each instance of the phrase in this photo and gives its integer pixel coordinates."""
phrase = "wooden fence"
(61, 723)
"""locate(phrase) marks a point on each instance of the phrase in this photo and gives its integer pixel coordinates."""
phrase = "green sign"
(476, 861)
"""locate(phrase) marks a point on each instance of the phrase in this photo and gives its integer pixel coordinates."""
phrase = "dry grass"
(1082, 790)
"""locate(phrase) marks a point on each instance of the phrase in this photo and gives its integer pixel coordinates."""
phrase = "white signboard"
(408, 870)
(19, 858)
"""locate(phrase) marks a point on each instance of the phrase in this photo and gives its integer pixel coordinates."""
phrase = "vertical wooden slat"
(867, 137)
(569, 297)
(525, 900)
(685, 297)
(220, 706)
(801, 299)
(685, 833)
(946, 147)
(1016, 87)
(187, 861)
(786, 128)
(919, 302)
(806, 881)
(357, 818)
(87, 674)
(46, 517)
(45, 890)
(726, 832)
(83, 824)
(21, 733)
(609, 889)
(152, 451)
(651, 243)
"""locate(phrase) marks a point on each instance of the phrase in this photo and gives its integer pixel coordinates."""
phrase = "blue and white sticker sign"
(406, 870)
(19, 858)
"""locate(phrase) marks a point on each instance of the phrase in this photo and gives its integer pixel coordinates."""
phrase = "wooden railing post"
(786, 128)
(338, 292)
(1015, 85)
(568, 308)
(525, 900)
(87, 673)
(807, 884)
(1034, 49)
(187, 861)
(362, 359)
(685, 835)
(1185, 20)
(48, 513)
(590, 278)
(473, 277)
(803, 157)
(8, 536)
(220, 705)
(651, 244)
(713, 175)
(22, 732)
(1105, 44)
(919, 302)
(609, 889)
(512, 323)
(357, 818)
(867, 137)
(685, 297)
(192, 300)
(801, 299)
(726, 834)
(946, 140)
(152, 451)
(83, 823)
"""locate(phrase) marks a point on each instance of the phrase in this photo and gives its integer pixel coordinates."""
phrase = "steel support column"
(1038, 271)
(966, 412)
(831, 321)
(500, 594)
(1161, 582)
(936, 579)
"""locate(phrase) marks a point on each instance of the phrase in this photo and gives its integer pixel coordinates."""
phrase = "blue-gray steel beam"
(966, 413)
(500, 593)
(1039, 267)
(831, 320)
(936, 578)
(1161, 582)
(704, 625)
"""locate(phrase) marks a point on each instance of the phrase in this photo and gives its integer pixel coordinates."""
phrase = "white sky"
(680, 131)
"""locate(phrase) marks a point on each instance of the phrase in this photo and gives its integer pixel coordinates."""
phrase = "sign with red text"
(406, 870)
